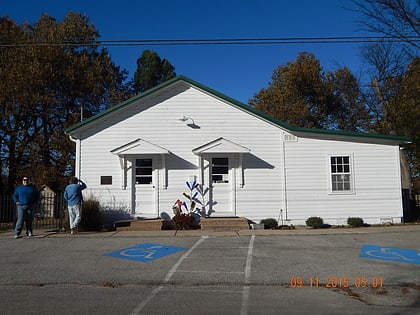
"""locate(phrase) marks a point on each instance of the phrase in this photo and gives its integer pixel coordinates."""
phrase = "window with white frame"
(341, 177)
(144, 170)
(220, 170)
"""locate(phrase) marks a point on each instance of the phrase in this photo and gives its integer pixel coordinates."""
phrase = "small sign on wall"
(106, 180)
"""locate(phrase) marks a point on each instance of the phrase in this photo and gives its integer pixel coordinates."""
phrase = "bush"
(91, 216)
(269, 223)
(355, 222)
(182, 221)
(314, 222)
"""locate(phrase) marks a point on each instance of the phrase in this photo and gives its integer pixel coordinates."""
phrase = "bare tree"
(395, 18)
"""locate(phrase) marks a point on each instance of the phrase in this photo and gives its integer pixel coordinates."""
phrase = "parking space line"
(143, 303)
(206, 271)
(249, 260)
(140, 307)
(245, 299)
(179, 262)
(247, 288)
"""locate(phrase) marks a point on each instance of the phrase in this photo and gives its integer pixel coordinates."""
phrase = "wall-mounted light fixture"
(191, 124)
(186, 118)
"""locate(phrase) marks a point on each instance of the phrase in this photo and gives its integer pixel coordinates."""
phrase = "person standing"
(74, 198)
(25, 197)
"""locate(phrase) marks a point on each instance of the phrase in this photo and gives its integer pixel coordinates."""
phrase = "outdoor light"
(191, 124)
(186, 118)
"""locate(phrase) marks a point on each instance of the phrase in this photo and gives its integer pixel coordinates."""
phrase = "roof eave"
(298, 131)
(121, 106)
(350, 136)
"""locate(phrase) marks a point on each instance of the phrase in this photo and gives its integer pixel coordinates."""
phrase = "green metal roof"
(294, 130)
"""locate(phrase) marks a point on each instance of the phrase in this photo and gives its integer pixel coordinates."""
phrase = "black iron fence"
(49, 212)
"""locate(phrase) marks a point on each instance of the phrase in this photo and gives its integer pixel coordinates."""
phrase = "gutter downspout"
(78, 156)
(283, 147)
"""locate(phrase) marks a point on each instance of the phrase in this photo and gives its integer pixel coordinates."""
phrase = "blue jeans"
(74, 216)
(24, 213)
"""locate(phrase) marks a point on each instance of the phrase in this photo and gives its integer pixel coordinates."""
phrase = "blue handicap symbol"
(408, 256)
(145, 252)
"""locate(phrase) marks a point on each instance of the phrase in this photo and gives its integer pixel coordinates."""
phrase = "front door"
(144, 196)
(221, 187)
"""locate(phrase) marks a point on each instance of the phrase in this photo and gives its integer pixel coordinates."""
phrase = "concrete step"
(206, 224)
(224, 224)
(139, 225)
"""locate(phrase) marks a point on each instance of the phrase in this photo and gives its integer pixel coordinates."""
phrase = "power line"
(222, 41)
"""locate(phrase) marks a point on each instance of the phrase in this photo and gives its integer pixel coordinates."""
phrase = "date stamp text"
(332, 282)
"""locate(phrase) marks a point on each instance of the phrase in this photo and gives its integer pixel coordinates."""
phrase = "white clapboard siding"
(281, 178)
(376, 190)
(159, 124)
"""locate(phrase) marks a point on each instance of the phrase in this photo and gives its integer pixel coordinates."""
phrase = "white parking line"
(179, 262)
(245, 299)
(140, 307)
(249, 260)
(247, 288)
(245, 291)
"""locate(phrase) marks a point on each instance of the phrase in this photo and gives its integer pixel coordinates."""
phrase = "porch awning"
(139, 147)
(220, 145)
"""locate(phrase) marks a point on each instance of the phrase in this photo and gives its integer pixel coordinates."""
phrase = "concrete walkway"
(194, 233)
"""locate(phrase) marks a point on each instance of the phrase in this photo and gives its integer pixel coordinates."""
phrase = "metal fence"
(49, 212)
(417, 199)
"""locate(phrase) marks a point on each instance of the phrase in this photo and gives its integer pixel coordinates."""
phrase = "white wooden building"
(136, 158)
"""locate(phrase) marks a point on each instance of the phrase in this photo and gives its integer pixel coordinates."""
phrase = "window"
(144, 168)
(341, 173)
(220, 170)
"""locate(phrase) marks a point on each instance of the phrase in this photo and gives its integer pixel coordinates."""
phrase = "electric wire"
(221, 41)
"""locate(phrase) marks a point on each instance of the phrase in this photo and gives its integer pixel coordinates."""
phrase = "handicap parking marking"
(408, 256)
(145, 252)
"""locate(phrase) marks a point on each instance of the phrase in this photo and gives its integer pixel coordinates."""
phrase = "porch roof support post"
(200, 170)
(123, 167)
(241, 171)
(165, 180)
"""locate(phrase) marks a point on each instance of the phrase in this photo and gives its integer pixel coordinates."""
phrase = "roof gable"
(220, 145)
(298, 131)
(138, 147)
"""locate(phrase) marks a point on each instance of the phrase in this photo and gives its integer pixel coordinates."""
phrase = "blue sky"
(238, 71)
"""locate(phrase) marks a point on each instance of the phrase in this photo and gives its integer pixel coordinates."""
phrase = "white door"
(221, 187)
(144, 195)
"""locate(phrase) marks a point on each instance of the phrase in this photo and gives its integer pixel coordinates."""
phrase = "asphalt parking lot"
(348, 271)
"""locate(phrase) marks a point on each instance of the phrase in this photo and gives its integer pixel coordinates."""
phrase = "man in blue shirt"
(73, 195)
(25, 197)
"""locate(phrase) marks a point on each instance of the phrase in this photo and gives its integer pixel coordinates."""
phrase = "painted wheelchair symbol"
(146, 252)
(409, 256)
(386, 253)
